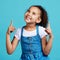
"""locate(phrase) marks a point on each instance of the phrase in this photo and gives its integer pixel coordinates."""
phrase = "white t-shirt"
(26, 33)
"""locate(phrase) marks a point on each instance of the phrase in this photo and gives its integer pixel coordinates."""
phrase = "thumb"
(47, 31)
(49, 27)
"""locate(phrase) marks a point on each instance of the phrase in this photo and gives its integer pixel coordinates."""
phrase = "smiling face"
(33, 15)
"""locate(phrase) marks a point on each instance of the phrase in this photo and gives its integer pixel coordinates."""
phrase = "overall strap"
(37, 30)
(22, 30)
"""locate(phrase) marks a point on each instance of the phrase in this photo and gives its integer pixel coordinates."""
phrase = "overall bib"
(32, 48)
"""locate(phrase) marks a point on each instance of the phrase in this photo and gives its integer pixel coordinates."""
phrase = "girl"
(32, 36)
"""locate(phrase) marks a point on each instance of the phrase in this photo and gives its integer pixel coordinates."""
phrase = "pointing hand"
(10, 28)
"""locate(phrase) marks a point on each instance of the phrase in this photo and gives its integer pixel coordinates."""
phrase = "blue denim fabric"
(32, 48)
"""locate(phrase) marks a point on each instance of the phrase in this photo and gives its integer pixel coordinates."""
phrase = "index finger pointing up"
(11, 23)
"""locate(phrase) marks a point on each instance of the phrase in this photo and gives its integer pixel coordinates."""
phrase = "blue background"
(15, 9)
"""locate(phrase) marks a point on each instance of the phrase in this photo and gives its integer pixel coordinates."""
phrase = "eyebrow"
(33, 11)
(28, 10)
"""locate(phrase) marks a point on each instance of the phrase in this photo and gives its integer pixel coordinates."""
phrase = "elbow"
(9, 52)
(46, 53)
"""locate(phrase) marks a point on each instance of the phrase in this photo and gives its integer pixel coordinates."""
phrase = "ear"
(38, 20)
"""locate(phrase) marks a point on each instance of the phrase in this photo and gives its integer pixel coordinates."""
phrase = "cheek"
(35, 17)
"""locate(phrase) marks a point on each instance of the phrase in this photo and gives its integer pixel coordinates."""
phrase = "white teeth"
(28, 20)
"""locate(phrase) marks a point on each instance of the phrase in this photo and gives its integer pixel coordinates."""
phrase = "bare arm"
(10, 46)
(47, 45)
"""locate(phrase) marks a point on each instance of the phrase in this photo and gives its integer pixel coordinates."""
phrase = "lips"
(28, 18)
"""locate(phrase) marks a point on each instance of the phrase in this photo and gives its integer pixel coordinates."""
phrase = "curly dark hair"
(44, 16)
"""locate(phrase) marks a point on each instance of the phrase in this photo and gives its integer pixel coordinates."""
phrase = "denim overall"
(32, 48)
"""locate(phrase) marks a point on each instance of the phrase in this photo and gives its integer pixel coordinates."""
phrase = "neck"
(30, 27)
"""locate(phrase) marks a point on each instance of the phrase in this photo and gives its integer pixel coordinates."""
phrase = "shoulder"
(41, 28)
(42, 32)
(18, 33)
(18, 29)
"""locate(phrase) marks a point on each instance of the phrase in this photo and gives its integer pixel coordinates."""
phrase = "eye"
(33, 13)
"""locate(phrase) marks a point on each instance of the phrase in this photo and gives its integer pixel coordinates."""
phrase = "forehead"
(35, 9)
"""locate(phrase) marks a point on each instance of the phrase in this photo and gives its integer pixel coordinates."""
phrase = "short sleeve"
(18, 33)
(42, 32)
